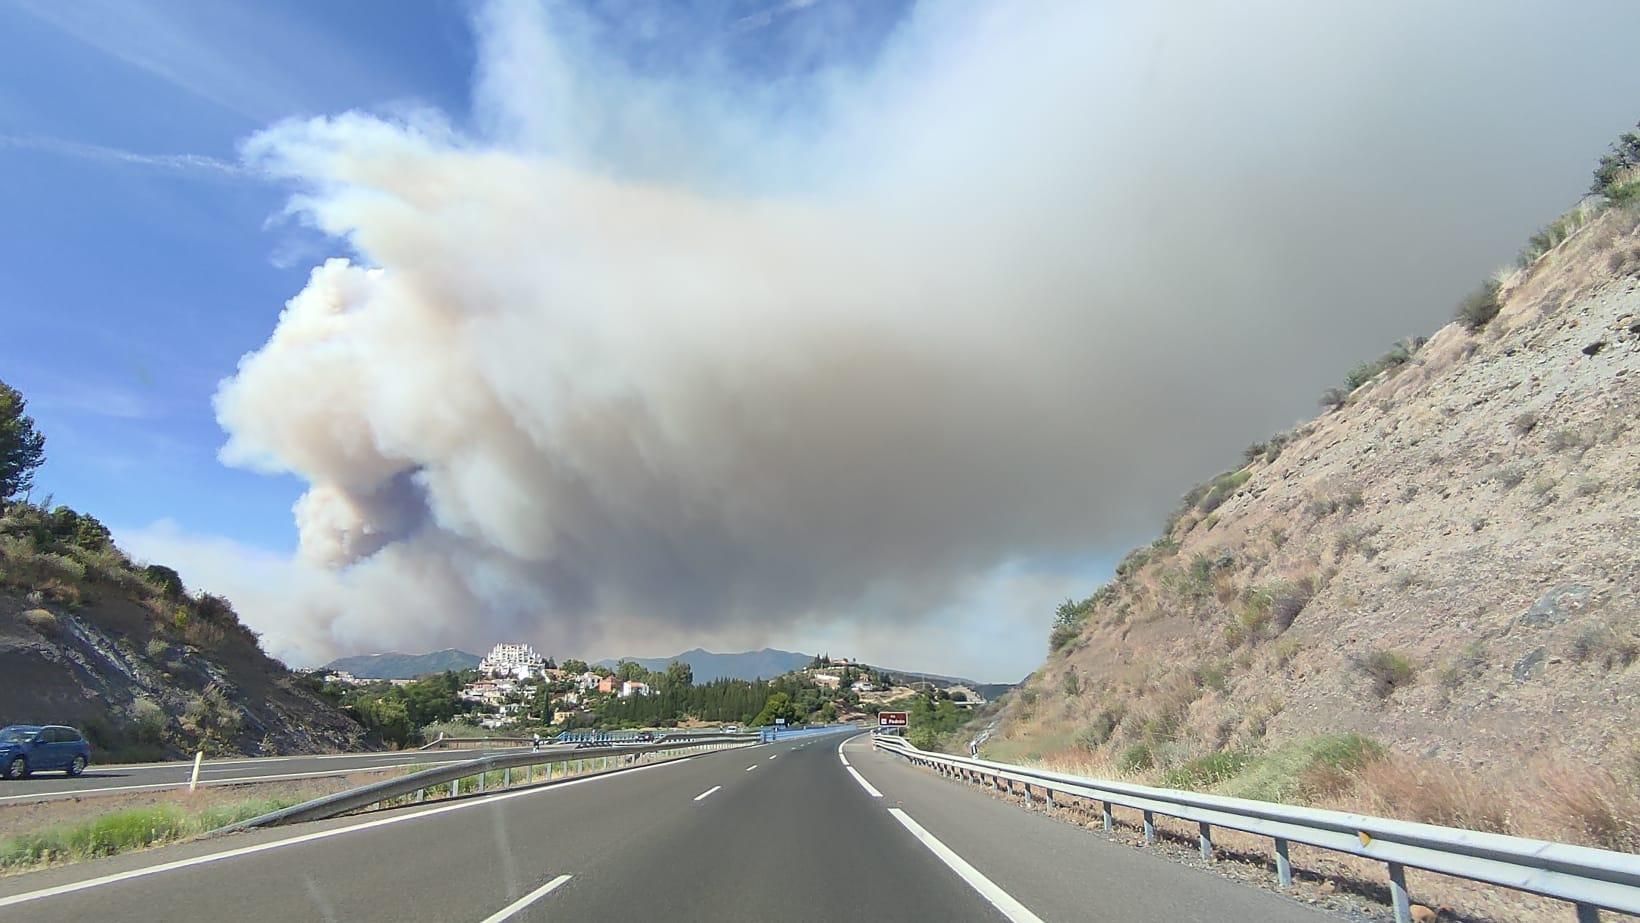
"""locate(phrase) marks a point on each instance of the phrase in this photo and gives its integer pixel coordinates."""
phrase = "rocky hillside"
(1424, 599)
(148, 670)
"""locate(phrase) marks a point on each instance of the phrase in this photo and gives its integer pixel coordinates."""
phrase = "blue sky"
(139, 267)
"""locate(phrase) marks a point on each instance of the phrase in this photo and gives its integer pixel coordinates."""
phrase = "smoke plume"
(637, 356)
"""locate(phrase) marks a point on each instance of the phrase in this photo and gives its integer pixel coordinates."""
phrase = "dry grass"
(1432, 793)
(1596, 807)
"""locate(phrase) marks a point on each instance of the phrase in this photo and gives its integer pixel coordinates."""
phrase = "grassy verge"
(124, 830)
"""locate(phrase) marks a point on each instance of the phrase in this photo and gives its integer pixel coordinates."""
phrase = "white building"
(516, 660)
(587, 681)
(631, 688)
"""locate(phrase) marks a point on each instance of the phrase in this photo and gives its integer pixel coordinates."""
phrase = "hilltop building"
(519, 661)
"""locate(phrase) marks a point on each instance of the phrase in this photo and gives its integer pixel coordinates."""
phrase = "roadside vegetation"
(125, 830)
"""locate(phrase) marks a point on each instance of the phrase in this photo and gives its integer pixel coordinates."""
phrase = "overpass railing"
(1591, 879)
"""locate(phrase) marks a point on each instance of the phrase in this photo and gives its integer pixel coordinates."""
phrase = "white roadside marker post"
(193, 781)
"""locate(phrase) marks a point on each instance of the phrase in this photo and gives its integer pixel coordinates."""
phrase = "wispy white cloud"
(182, 163)
(764, 18)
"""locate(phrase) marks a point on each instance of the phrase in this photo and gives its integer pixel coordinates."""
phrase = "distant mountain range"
(707, 666)
(404, 666)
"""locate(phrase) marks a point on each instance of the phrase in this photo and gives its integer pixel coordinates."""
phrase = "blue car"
(26, 748)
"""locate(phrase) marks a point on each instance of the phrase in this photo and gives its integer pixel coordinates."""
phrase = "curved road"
(787, 831)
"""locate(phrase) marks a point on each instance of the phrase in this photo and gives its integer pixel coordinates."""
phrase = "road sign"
(892, 719)
(780, 721)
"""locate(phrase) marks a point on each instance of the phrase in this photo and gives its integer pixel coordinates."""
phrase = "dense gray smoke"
(641, 358)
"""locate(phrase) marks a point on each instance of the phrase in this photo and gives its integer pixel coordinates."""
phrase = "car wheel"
(77, 766)
(17, 768)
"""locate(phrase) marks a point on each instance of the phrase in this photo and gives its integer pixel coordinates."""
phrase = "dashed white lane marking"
(513, 908)
(703, 795)
(988, 889)
(751, 767)
(863, 783)
(776, 756)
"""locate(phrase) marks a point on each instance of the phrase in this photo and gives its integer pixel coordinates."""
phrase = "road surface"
(103, 780)
(787, 831)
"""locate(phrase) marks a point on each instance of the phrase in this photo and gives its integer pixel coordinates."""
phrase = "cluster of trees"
(675, 696)
(397, 713)
(22, 447)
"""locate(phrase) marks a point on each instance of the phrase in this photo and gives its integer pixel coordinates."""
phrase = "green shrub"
(1220, 489)
(1478, 308)
(1387, 670)
(1305, 768)
(1100, 728)
(1617, 165)
(41, 621)
(1136, 758)
(1334, 398)
(1205, 771)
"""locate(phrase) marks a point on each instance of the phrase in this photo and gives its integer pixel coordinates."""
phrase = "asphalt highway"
(102, 780)
(800, 830)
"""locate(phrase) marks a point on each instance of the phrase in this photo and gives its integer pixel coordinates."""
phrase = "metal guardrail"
(474, 743)
(1591, 879)
(419, 784)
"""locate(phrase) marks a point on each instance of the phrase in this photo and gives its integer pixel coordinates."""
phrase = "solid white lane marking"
(863, 783)
(702, 796)
(840, 751)
(988, 889)
(751, 767)
(843, 758)
(528, 899)
(144, 872)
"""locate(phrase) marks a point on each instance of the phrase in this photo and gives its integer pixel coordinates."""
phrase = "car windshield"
(17, 735)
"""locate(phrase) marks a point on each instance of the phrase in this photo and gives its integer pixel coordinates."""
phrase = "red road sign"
(892, 719)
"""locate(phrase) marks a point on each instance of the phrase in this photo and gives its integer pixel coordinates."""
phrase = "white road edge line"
(511, 909)
(988, 889)
(702, 796)
(863, 783)
(144, 872)
(840, 751)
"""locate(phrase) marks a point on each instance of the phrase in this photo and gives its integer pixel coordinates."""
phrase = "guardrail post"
(1204, 832)
(455, 787)
(481, 776)
(1150, 827)
(1284, 866)
(1105, 815)
(1588, 913)
(506, 777)
(1398, 893)
(421, 795)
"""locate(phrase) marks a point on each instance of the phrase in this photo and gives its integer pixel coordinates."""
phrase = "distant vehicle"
(646, 735)
(730, 729)
(27, 748)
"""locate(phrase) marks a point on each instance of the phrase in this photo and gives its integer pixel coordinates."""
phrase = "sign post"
(893, 719)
